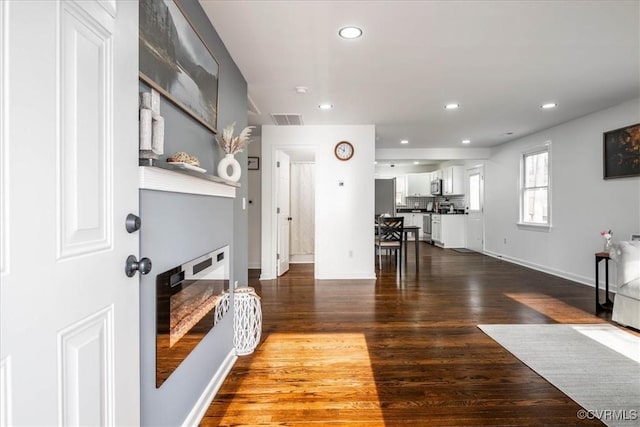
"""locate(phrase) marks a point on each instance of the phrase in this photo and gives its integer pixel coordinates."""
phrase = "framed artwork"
(175, 61)
(253, 163)
(621, 152)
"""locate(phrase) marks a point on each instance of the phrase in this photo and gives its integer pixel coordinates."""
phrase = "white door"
(282, 211)
(475, 201)
(68, 136)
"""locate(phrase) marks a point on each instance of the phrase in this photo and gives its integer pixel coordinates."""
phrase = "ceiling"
(500, 60)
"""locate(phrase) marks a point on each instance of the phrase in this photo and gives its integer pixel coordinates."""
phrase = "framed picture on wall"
(176, 62)
(621, 152)
(253, 163)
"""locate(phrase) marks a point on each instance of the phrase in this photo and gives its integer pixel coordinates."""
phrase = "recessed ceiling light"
(350, 32)
(325, 106)
(549, 105)
(466, 141)
(404, 141)
(416, 163)
(452, 106)
(302, 89)
(375, 162)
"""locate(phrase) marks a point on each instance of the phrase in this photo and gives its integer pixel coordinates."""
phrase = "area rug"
(598, 366)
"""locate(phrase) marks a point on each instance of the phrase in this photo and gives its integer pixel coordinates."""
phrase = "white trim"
(154, 178)
(589, 281)
(209, 393)
(5, 229)
(355, 276)
(6, 389)
(542, 148)
(533, 227)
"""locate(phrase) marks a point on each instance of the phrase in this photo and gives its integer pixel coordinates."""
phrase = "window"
(534, 190)
(474, 192)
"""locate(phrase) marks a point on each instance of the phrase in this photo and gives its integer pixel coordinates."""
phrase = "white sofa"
(626, 305)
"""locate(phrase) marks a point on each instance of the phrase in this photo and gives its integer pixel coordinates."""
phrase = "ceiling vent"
(282, 119)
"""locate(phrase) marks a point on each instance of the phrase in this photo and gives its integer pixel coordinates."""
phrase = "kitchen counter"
(448, 230)
(402, 210)
(411, 210)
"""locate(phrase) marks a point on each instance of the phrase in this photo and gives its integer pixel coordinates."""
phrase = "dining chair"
(389, 238)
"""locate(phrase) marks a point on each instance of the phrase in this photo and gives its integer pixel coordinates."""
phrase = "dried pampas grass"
(234, 144)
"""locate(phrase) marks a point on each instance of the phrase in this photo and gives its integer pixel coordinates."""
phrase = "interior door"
(68, 132)
(474, 184)
(283, 211)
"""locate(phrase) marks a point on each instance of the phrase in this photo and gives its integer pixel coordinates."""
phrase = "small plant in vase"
(606, 234)
(232, 145)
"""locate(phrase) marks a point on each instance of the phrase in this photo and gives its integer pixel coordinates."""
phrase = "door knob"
(132, 265)
(132, 223)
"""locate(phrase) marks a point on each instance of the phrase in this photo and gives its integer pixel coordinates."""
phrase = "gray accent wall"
(232, 107)
(179, 227)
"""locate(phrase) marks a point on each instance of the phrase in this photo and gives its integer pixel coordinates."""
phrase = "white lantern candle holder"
(247, 320)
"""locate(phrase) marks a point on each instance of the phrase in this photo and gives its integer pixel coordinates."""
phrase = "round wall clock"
(344, 150)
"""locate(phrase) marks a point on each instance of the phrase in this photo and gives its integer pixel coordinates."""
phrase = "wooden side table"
(608, 304)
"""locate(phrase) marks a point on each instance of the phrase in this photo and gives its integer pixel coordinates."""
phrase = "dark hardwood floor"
(402, 351)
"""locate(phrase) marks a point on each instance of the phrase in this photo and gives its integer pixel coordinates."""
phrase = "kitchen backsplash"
(417, 202)
(421, 202)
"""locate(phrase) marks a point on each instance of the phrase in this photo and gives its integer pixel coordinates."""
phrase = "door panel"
(69, 315)
(475, 201)
(85, 145)
(283, 200)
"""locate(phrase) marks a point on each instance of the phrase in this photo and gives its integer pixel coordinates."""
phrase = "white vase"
(228, 161)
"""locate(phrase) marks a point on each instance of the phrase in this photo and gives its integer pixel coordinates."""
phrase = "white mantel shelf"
(161, 179)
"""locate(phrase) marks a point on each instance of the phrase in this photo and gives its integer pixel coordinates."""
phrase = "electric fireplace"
(190, 299)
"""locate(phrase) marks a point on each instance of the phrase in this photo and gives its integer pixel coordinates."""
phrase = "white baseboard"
(209, 393)
(563, 274)
(302, 259)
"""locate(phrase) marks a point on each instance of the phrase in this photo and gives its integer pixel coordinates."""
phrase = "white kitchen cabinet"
(453, 180)
(418, 184)
(436, 229)
(451, 231)
(401, 189)
(411, 218)
(436, 174)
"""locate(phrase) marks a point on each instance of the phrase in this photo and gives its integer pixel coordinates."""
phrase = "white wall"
(582, 202)
(344, 215)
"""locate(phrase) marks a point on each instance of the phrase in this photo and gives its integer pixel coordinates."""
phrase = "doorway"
(302, 239)
(295, 194)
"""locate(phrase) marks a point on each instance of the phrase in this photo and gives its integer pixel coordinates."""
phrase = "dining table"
(406, 230)
(415, 230)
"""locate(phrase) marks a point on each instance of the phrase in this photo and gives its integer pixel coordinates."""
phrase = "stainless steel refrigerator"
(385, 196)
